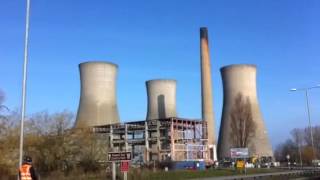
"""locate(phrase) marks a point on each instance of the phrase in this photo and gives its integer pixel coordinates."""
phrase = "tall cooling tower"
(206, 86)
(161, 98)
(98, 105)
(241, 79)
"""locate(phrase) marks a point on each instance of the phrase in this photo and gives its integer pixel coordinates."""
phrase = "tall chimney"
(206, 86)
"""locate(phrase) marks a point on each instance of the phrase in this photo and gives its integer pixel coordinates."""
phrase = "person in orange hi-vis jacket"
(26, 171)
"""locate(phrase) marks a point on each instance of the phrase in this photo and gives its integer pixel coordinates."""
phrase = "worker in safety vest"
(240, 164)
(26, 171)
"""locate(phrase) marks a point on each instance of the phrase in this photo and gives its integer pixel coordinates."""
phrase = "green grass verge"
(190, 174)
(145, 174)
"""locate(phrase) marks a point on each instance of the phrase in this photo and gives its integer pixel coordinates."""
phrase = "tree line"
(50, 140)
(243, 131)
(299, 144)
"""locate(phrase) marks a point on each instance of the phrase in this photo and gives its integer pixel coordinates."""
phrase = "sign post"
(124, 168)
(123, 158)
(113, 170)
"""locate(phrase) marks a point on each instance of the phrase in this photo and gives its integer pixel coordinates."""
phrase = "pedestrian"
(240, 164)
(26, 171)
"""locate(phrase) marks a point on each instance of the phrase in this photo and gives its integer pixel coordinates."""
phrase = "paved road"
(252, 176)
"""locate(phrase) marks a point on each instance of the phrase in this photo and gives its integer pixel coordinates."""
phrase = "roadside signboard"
(239, 152)
(124, 166)
(119, 156)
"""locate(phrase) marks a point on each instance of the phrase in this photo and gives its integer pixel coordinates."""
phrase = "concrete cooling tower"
(241, 79)
(161, 98)
(98, 105)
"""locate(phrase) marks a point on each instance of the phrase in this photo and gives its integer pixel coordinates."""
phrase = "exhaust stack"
(206, 87)
(206, 94)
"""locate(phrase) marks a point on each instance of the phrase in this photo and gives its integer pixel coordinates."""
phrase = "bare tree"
(299, 145)
(316, 135)
(2, 97)
(9, 149)
(286, 148)
(46, 139)
(241, 124)
(297, 135)
(2, 106)
(316, 139)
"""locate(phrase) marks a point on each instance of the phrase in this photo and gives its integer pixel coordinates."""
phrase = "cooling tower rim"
(235, 66)
(98, 62)
(161, 80)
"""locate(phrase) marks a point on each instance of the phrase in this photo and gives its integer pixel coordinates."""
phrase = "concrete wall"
(161, 98)
(98, 105)
(241, 79)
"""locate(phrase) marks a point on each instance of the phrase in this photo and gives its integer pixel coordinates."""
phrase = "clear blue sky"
(160, 39)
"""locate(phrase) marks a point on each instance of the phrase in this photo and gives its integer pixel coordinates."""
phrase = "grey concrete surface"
(242, 79)
(253, 176)
(161, 98)
(98, 104)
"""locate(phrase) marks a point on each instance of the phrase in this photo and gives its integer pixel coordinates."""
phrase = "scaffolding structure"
(174, 139)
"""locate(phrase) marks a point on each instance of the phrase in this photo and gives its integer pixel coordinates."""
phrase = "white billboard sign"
(239, 152)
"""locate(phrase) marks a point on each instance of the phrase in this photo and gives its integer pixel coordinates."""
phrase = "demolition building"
(173, 139)
(163, 135)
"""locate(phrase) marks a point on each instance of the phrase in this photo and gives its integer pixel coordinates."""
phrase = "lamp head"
(293, 89)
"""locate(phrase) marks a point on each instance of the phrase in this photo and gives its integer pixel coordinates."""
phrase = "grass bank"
(145, 174)
(190, 174)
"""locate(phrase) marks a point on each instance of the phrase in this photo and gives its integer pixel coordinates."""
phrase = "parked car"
(265, 165)
(316, 162)
(275, 164)
(226, 164)
(249, 165)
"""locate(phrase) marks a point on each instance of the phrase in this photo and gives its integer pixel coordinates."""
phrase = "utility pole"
(308, 112)
(24, 81)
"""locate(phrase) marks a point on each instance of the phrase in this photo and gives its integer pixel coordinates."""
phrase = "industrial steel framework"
(174, 139)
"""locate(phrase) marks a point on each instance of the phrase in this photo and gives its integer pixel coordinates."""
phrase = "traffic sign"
(119, 156)
(124, 166)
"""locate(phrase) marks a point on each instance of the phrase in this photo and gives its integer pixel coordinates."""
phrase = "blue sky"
(160, 39)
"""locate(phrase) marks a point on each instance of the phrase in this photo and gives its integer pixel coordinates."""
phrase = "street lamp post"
(299, 146)
(24, 81)
(288, 158)
(308, 111)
